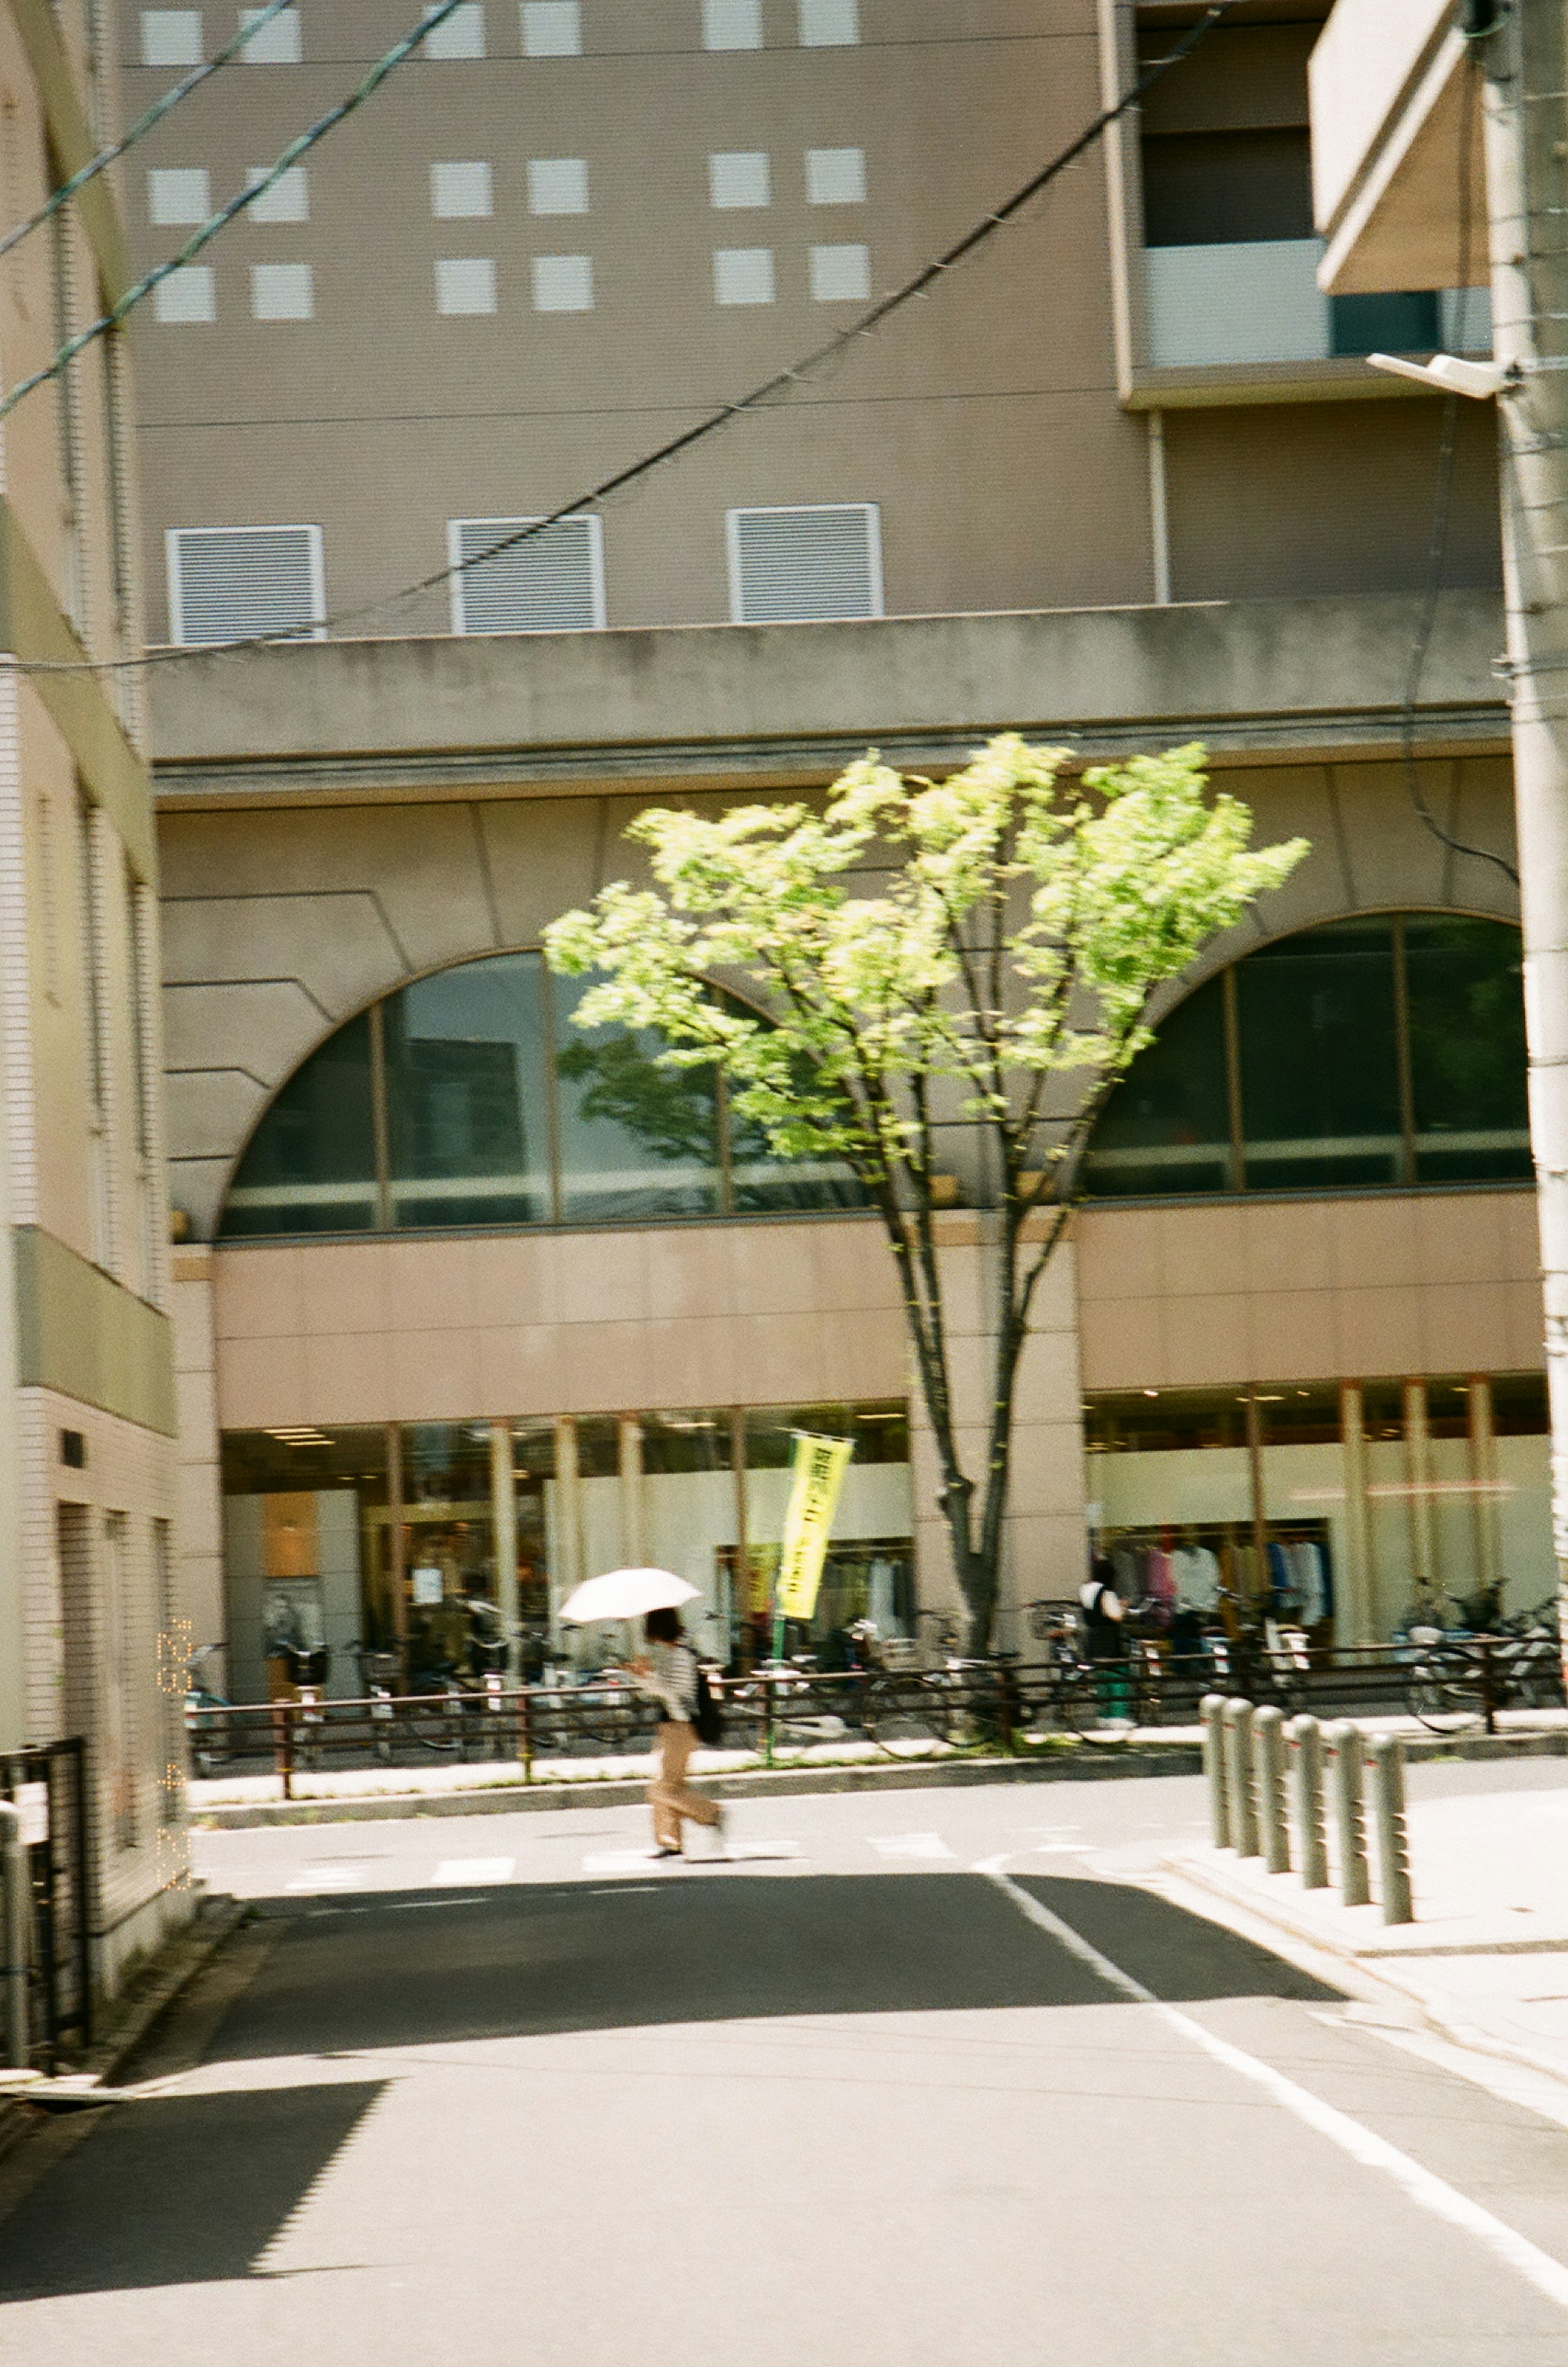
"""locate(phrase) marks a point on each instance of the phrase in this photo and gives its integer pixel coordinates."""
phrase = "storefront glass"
(869, 1571)
(391, 1535)
(304, 1549)
(1348, 1508)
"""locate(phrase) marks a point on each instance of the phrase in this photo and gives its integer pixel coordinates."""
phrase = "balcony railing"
(1213, 306)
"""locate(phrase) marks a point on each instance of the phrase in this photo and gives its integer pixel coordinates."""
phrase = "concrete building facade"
(1122, 482)
(89, 1623)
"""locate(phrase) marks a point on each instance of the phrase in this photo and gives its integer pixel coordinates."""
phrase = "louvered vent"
(553, 582)
(228, 583)
(803, 565)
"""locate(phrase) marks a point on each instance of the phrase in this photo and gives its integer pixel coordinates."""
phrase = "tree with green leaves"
(981, 950)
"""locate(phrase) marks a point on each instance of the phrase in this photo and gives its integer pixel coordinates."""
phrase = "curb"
(1381, 1970)
(781, 1783)
(29, 2110)
(1082, 1763)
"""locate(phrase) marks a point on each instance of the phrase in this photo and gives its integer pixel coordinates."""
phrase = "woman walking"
(669, 1673)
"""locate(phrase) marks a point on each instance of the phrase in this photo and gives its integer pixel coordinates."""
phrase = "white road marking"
(635, 1861)
(909, 1844)
(325, 1877)
(476, 1869)
(1430, 2192)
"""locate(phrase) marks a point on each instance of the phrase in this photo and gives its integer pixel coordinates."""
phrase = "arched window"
(470, 1098)
(1383, 1052)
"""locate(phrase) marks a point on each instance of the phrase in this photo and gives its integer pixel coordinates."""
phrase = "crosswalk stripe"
(476, 1869)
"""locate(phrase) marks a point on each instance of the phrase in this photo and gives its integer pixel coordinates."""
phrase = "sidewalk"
(498, 1786)
(1486, 1959)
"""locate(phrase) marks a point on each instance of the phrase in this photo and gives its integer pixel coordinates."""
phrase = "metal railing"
(47, 1785)
(973, 1707)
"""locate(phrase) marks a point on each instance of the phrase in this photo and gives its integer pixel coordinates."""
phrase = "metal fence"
(976, 1706)
(49, 1784)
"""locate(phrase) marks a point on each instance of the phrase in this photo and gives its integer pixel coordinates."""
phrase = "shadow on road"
(557, 1958)
(177, 2190)
(192, 2189)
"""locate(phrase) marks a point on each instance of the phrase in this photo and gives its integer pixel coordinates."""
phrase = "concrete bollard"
(1239, 1778)
(1345, 1740)
(1394, 1840)
(1305, 1737)
(1211, 1710)
(1268, 1769)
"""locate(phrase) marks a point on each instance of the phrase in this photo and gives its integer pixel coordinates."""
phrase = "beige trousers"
(669, 1796)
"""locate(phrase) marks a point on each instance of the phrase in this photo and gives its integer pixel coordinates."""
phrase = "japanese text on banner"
(819, 1467)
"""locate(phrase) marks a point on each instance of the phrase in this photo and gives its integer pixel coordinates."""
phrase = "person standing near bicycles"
(669, 1672)
(1105, 1634)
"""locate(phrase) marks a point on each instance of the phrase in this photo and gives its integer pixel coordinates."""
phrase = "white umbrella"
(626, 1594)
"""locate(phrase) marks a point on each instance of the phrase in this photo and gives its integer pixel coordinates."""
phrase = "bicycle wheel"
(903, 1714)
(1442, 1708)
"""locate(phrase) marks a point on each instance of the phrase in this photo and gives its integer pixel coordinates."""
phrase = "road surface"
(915, 2078)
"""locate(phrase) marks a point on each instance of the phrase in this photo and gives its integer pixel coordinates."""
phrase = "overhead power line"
(782, 383)
(219, 220)
(141, 128)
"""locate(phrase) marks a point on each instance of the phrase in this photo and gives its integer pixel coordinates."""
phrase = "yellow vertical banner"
(819, 1467)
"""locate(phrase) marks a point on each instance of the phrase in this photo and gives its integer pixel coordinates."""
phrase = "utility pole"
(1523, 54)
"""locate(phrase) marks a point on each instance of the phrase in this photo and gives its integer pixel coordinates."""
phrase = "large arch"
(467, 1099)
(1379, 1050)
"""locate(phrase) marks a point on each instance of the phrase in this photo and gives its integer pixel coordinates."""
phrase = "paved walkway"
(1486, 1959)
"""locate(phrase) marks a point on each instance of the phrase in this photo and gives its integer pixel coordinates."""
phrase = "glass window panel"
(534, 1495)
(305, 1551)
(687, 1441)
(448, 1540)
(1166, 1127)
(467, 1097)
(636, 1141)
(1319, 1066)
(598, 1445)
(1519, 1405)
(310, 1167)
(1467, 1049)
(1164, 1421)
(870, 1563)
(759, 1180)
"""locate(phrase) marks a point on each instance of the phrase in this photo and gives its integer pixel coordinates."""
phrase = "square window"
(732, 24)
(188, 294)
(178, 194)
(552, 29)
(835, 176)
(460, 35)
(738, 177)
(465, 283)
(839, 274)
(461, 192)
(557, 185)
(171, 36)
(287, 200)
(282, 292)
(743, 275)
(829, 23)
(563, 283)
(277, 44)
